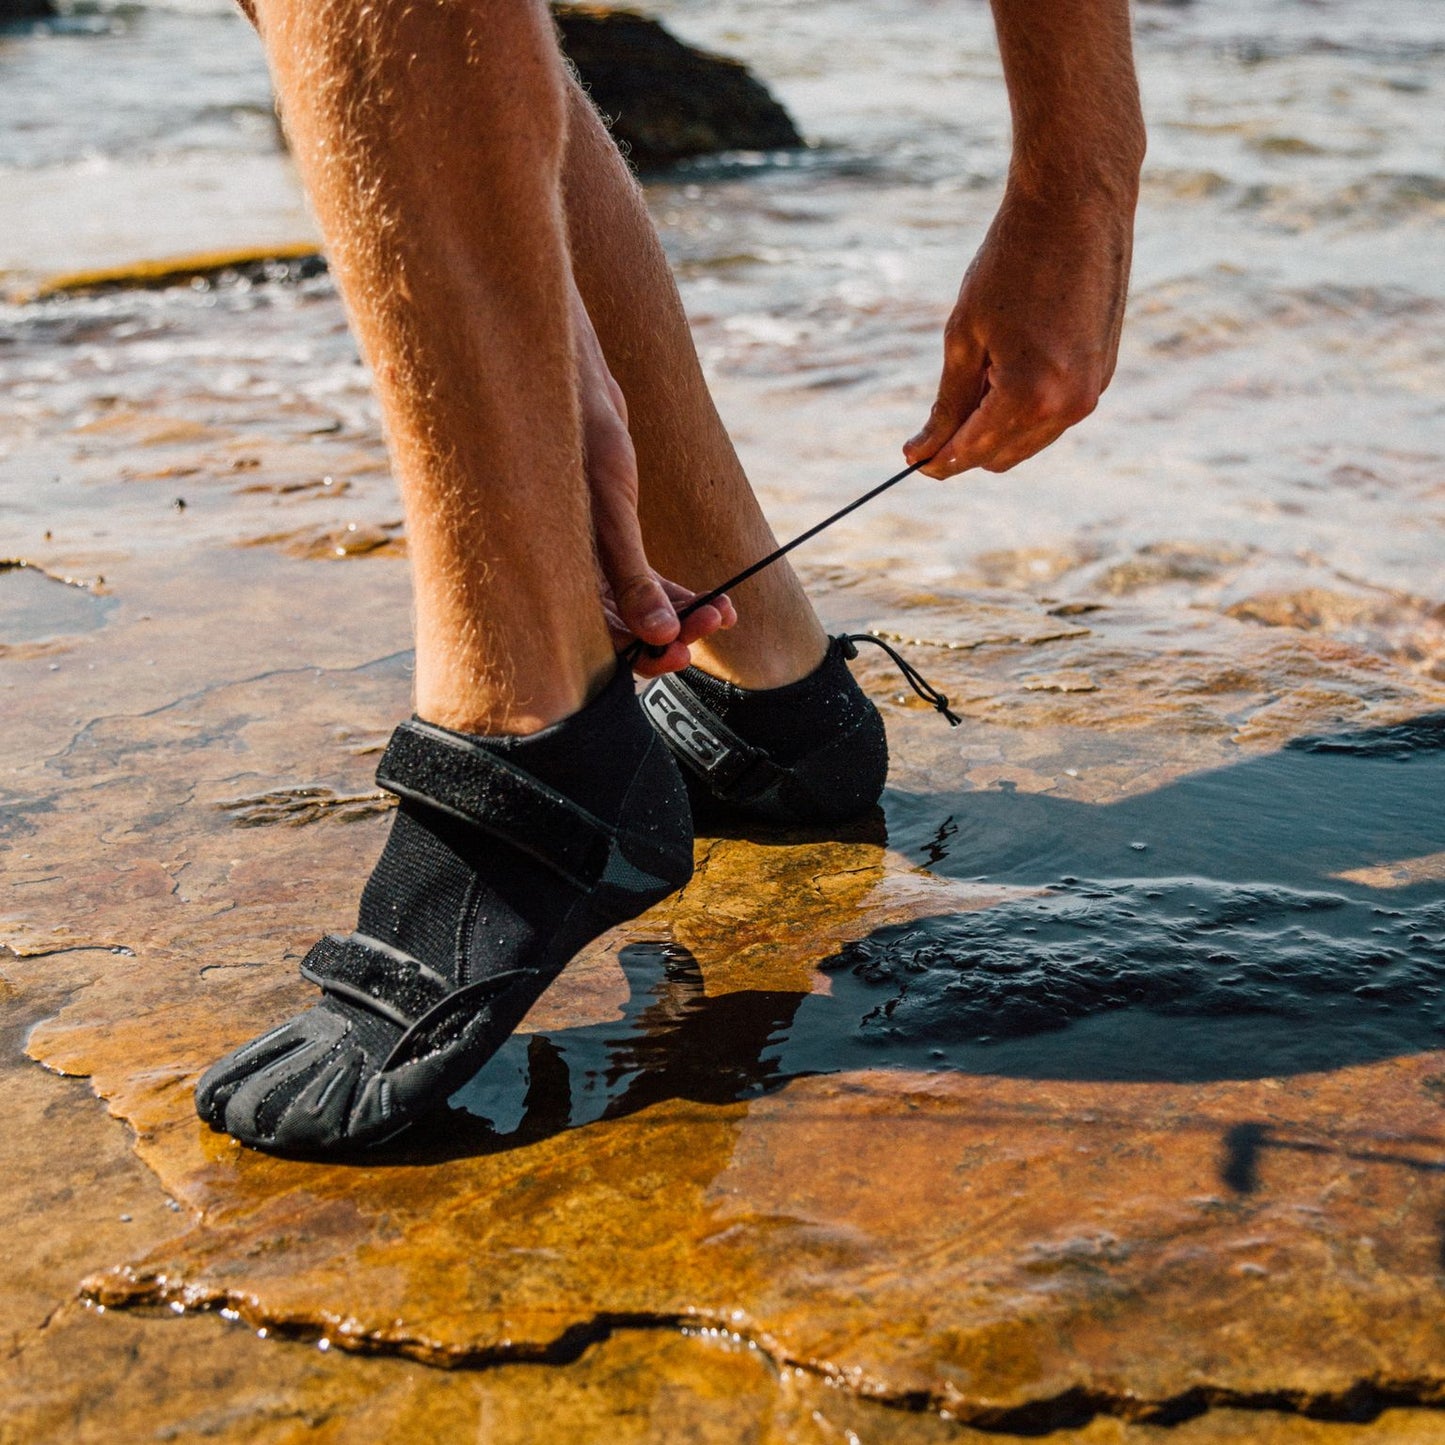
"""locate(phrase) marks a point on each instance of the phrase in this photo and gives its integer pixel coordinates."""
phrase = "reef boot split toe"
(506, 856)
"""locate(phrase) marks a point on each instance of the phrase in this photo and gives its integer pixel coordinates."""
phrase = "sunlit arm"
(1032, 341)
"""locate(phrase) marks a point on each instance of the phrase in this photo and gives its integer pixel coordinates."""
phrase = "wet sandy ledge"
(1093, 1086)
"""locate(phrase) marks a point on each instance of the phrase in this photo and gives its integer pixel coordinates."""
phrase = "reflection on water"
(672, 1042)
(1214, 939)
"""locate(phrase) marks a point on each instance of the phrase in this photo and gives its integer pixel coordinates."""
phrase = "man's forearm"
(1077, 124)
(1034, 336)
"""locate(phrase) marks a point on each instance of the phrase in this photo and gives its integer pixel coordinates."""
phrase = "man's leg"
(543, 810)
(700, 521)
(771, 726)
(430, 139)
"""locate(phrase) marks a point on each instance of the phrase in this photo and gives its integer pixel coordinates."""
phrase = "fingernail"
(658, 617)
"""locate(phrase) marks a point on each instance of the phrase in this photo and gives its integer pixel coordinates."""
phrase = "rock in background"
(12, 10)
(664, 101)
(667, 101)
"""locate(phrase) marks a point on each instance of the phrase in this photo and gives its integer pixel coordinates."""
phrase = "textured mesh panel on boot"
(417, 897)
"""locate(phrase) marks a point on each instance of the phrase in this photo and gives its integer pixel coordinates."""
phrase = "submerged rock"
(667, 101)
(25, 10)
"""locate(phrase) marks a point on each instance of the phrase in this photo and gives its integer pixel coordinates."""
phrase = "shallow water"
(35, 607)
(1319, 813)
(1272, 443)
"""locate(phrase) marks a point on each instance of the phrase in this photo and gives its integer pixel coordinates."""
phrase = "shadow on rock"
(1257, 920)
(1302, 817)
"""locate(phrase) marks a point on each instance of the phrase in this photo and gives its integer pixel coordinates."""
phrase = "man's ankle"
(516, 711)
(763, 657)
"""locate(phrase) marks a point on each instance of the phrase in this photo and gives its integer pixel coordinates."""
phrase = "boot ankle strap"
(429, 765)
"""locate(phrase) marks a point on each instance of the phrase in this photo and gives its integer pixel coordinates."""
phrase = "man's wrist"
(1102, 169)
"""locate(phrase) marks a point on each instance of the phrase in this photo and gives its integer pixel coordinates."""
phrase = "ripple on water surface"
(1165, 980)
(1283, 914)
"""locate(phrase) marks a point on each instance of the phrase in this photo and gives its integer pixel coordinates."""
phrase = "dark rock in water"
(665, 100)
(11, 10)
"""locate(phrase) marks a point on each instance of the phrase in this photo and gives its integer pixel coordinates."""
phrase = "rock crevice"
(1358, 1401)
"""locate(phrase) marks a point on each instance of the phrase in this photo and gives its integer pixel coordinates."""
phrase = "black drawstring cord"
(635, 650)
(911, 674)
(798, 541)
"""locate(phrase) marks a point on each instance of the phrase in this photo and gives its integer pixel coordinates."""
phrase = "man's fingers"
(727, 613)
(949, 414)
(702, 623)
(714, 616)
(674, 658)
(973, 439)
(645, 610)
(960, 391)
(1014, 420)
(675, 655)
(642, 602)
(926, 443)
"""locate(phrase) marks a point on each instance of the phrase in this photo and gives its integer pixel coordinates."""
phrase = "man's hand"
(638, 602)
(1032, 342)
(1034, 336)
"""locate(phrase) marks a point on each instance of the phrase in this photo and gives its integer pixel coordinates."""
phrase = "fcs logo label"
(691, 737)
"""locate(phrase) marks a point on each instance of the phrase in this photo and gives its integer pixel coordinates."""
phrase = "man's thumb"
(645, 609)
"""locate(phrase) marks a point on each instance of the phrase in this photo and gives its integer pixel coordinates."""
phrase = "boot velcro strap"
(373, 974)
(701, 739)
(430, 765)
